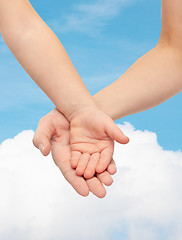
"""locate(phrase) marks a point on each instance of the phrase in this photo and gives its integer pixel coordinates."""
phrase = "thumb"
(115, 133)
(41, 139)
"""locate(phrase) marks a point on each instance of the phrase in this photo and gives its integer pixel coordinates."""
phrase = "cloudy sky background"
(103, 38)
(143, 203)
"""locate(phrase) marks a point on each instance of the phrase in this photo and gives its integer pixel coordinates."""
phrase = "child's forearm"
(43, 57)
(153, 79)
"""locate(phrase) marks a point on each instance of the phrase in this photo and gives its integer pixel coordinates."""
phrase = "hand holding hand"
(53, 134)
(92, 135)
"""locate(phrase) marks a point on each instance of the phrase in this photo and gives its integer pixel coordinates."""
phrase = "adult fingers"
(42, 136)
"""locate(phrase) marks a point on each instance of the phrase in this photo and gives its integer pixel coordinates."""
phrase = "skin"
(53, 133)
(44, 58)
(151, 80)
(154, 78)
(91, 141)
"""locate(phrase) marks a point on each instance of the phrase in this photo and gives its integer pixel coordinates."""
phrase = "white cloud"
(87, 18)
(143, 203)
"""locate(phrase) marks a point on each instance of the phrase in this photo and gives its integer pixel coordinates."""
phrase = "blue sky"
(102, 45)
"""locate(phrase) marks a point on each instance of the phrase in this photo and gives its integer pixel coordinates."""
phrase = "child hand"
(92, 135)
(53, 134)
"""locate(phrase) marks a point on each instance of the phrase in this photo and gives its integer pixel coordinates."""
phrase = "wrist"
(79, 109)
(104, 105)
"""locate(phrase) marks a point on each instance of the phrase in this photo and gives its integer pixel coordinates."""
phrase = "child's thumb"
(115, 133)
(42, 142)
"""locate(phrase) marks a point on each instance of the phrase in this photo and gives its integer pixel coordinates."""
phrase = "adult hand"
(53, 134)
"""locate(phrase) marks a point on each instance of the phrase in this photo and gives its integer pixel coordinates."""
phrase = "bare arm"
(92, 132)
(42, 55)
(153, 78)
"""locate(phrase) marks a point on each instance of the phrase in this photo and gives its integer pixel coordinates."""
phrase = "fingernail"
(41, 148)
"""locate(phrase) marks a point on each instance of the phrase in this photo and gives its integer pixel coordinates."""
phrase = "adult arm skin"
(43, 57)
(155, 77)
(38, 50)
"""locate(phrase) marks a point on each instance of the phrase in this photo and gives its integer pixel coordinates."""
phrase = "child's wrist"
(77, 110)
(103, 106)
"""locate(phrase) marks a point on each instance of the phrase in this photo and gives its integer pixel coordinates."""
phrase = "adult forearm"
(43, 57)
(151, 80)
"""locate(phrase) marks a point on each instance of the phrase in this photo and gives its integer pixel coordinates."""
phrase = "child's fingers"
(104, 161)
(91, 167)
(105, 178)
(115, 133)
(82, 164)
(112, 168)
(75, 156)
(119, 136)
